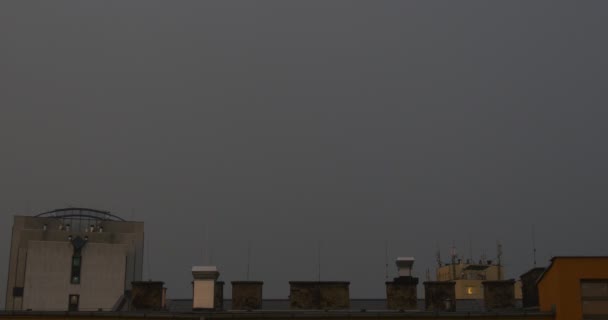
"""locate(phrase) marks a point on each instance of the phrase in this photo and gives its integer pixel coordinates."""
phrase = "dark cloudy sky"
(284, 123)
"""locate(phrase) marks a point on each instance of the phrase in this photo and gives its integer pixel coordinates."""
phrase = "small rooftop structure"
(404, 266)
(204, 287)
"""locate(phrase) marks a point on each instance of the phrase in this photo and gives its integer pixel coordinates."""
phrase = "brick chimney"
(147, 295)
(529, 290)
(247, 295)
(440, 295)
(499, 294)
(319, 295)
(401, 293)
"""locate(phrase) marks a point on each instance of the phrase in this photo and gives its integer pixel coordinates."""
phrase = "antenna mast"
(470, 248)
(453, 254)
(319, 260)
(439, 263)
(248, 259)
(386, 260)
(534, 246)
(499, 258)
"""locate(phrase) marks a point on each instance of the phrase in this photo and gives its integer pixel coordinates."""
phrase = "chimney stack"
(499, 294)
(320, 295)
(147, 295)
(401, 293)
(440, 295)
(529, 290)
(205, 287)
(247, 295)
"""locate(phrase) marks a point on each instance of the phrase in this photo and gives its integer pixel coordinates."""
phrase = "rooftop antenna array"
(470, 248)
(453, 256)
(439, 263)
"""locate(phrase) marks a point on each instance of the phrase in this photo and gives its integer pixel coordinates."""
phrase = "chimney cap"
(405, 262)
(204, 269)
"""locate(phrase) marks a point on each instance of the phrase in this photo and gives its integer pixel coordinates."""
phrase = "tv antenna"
(319, 260)
(499, 259)
(453, 256)
(386, 260)
(534, 246)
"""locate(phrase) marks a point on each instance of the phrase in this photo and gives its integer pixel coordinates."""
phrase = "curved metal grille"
(81, 213)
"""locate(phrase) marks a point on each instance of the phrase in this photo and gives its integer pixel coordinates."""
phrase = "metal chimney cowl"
(404, 266)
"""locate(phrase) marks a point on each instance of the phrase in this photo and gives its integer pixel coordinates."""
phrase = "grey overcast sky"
(286, 123)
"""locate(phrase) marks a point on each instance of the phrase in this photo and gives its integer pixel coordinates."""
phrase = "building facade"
(72, 259)
(575, 288)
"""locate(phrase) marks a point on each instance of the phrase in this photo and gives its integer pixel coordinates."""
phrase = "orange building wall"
(560, 286)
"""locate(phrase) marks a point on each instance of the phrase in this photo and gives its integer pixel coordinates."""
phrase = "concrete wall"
(247, 295)
(559, 288)
(319, 295)
(47, 276)
(121, 247)
(469, 289)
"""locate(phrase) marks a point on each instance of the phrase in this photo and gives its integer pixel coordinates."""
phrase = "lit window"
(74, 300)
(76, 263)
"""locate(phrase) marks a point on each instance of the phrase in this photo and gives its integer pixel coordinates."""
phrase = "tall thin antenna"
(453, 254)
(208, 245)
(470, 248)
(319, 260)
(386, 260)
(248, 259)
(499, 259)
(534, 246)
(148, 259)
(206, 248)
(439, 263)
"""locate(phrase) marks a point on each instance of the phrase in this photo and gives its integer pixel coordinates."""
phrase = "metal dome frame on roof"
(83, 213)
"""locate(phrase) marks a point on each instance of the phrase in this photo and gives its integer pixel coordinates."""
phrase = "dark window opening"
(76, 266)
(18, 292)
(74, 300)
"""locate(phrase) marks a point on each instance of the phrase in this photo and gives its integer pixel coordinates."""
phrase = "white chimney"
(404, 266)
(203, 287)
